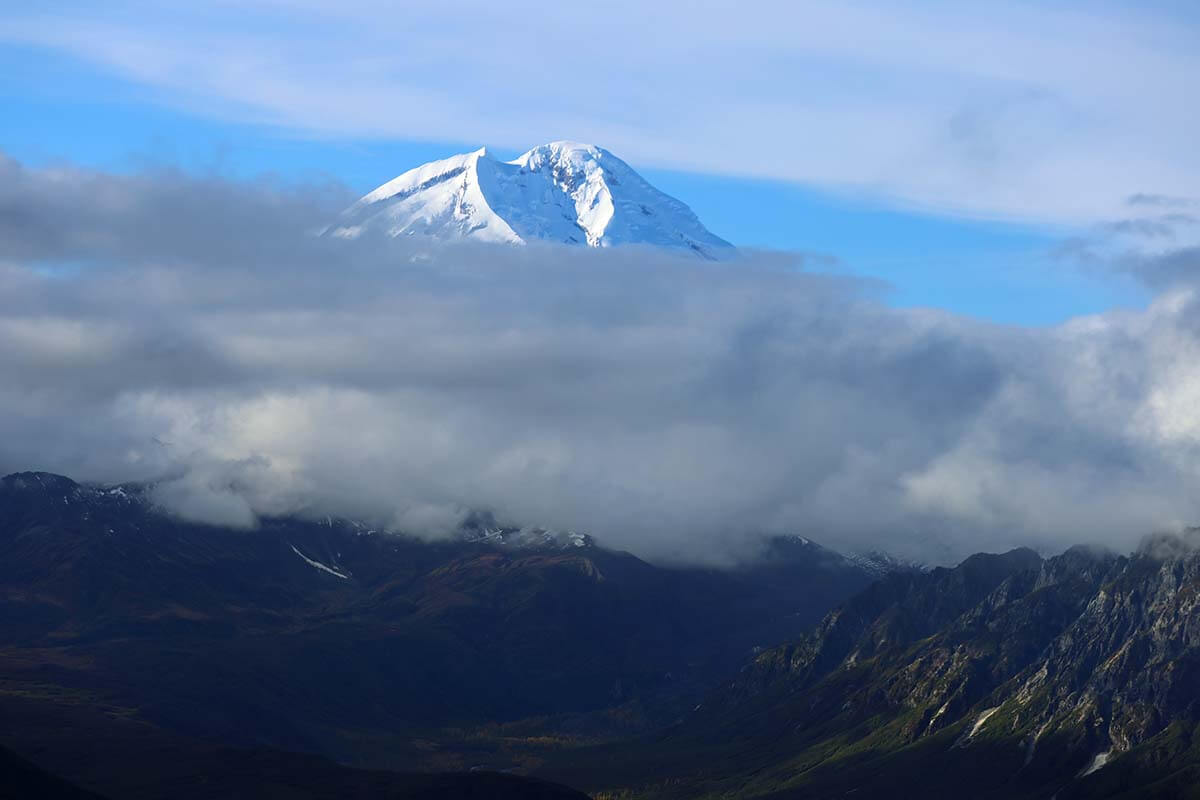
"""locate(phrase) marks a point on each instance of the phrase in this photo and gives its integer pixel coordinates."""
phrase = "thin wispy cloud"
(195, 332)
(1049, 113)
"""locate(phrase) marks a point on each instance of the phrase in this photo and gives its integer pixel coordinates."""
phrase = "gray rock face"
(1043, 674)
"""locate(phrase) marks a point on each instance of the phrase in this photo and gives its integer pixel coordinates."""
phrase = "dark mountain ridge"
(328, 637)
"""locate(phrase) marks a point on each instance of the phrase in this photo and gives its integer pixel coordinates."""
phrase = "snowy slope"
(561, 192)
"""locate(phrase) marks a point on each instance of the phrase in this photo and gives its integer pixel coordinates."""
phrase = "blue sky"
(1008, 162)
(792, 140)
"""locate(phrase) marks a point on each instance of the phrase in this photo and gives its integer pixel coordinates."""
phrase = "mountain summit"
(559, 192)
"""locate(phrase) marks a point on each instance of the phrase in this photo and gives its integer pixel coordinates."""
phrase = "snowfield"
(562, 192)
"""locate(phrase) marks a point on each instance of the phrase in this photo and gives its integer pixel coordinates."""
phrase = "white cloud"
(1052, 113)
(671, 407)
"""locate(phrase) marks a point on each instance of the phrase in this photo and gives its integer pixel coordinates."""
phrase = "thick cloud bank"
(198, 333)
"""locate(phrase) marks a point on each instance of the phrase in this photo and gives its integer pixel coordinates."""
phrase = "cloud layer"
(196, 332)
(1045, 112)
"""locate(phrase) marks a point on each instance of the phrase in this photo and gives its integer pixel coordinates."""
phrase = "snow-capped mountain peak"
(563, 191)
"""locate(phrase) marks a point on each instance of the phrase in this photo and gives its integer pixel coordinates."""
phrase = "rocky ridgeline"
(1073, 661)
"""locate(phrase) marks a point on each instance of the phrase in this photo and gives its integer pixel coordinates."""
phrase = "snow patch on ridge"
(319, 565)
(975, 728)
(984, 716)
(1098, 761)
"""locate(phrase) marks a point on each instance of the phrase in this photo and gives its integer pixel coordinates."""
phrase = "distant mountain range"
(562, 192)
(322, 659)
(330, 638)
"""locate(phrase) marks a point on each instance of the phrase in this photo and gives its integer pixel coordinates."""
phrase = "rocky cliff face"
(1007, 676)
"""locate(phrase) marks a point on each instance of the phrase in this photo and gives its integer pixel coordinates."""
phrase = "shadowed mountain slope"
(329, 638)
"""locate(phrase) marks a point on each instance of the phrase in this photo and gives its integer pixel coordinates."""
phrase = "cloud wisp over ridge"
(195, 332)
